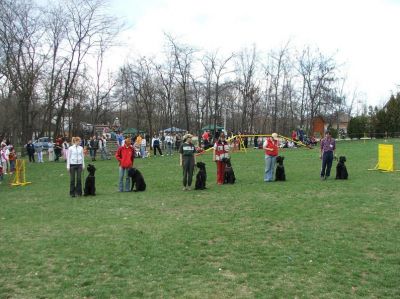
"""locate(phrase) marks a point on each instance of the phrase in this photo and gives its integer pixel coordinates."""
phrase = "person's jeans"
(327, 159)
(12, 165)
(220, 172)
(269, 168)
(155, 148)
(104, 154)
(75, 171)
(122, 173)
(169, 148)
(40, 157)
(143, 151)
(188, 167)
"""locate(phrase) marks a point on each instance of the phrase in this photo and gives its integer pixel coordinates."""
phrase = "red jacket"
(273, 144)
(125, 156)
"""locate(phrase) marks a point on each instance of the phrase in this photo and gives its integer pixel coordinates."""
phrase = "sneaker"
(189, 188)
(184, 189)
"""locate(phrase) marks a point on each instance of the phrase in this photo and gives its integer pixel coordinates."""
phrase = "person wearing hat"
(271, 147)
(328, 147)
(125, 156)
(221, 151)
(187, 160)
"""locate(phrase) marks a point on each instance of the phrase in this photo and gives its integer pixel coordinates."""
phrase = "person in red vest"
(221, 150)
(125, 156)
(294, 135)
(271, 147)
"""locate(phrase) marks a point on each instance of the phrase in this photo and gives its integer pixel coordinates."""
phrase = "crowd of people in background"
(168, 143)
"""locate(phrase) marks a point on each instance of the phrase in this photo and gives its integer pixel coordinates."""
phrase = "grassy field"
(303, 238)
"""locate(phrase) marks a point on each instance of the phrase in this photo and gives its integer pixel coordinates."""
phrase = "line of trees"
(374, 122)
(52, 79)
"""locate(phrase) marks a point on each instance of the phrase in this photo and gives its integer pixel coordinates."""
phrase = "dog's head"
(342, 159)
(279, 160)
(133, 172)
(91, 169)
(201, 165)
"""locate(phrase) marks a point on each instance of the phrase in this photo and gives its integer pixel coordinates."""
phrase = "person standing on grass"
(64, 149)
(103, 148)
(143, 144)
(75, 165)
(187, 160)
(221, 151)
(155, 144)
(30, 148)
(169, 141)
(125, 156)
(12, 157)
(39, 150)
(328, 147)
(271, 147)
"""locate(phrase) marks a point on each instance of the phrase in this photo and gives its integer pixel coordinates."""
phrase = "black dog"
(90, 183)
(280, 169)
(229, 174)
(137, 179)
(201, 176)
(341, 170)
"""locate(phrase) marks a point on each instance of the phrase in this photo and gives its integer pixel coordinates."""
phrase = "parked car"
(45, 142)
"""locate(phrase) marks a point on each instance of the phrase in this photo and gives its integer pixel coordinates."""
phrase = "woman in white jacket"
(75, 165)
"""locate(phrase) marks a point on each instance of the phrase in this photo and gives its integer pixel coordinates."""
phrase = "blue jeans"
(327, 159)
(143, 151)
(169, 148)
(269, 168)
(122, 173)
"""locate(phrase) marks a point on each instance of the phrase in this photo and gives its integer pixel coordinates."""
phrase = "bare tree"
(183, 59)
(87, 26)
(246, 74)
(317, 72)
(20, 41)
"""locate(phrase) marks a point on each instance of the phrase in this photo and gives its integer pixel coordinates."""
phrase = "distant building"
(336, 121)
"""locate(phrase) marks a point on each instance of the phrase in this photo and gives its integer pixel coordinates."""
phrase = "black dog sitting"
(280, 169)
(201, 176)
(137, 179)
(229, 175)
(90, 183)
(341, 170)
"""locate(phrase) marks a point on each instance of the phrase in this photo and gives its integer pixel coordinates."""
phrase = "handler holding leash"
(75, 165)
(221, 151)
(271, 148)
(328, 147)
(187, 160)
(125, 155)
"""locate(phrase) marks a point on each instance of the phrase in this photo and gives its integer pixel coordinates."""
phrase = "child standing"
(12, 157)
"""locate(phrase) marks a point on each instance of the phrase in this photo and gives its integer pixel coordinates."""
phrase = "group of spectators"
(8, 158)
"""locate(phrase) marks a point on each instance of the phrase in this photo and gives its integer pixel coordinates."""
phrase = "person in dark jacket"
(187, 160)
(30, 148)
(155, 144)
(125, 156)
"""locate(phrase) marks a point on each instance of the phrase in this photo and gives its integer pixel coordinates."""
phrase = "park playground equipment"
(19, 176)
(385, 158)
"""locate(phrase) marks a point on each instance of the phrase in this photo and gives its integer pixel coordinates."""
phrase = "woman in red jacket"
(271, 146)
(125, 156)
(221, 151)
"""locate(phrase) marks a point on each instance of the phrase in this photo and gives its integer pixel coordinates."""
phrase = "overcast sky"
(364, 34)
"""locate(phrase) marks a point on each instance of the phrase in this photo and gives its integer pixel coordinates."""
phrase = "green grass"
(299, 239)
